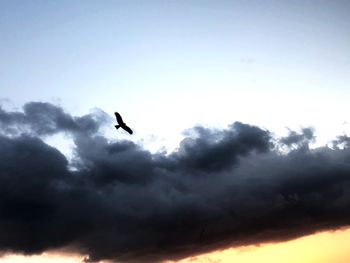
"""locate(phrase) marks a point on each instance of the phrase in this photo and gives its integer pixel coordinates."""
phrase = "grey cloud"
(42, 118)
(297, 139)
(342, 140)
(222, 188)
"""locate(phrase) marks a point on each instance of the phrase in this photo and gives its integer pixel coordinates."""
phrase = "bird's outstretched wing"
(127, 129)
(119, 118)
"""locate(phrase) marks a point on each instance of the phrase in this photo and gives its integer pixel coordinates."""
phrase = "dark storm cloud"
(218, 150)
(221, 188)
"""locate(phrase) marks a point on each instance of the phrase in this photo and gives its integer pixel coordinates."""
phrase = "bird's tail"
(117, 126)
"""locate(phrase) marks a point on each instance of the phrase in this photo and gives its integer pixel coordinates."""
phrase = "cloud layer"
(221, 188)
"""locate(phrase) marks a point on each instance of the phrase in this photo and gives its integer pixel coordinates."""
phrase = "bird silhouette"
(121, 123)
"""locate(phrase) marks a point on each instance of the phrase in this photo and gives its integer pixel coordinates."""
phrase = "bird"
(121, 123)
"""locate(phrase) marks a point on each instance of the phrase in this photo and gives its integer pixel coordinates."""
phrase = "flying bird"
(121, 123)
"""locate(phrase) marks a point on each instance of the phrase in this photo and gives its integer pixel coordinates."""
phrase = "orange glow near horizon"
(325, 247)
(50, 257)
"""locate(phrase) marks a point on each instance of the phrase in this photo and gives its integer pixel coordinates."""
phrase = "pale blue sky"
(269, 63)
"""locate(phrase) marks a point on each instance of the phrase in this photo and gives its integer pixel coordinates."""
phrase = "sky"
(240, 118)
